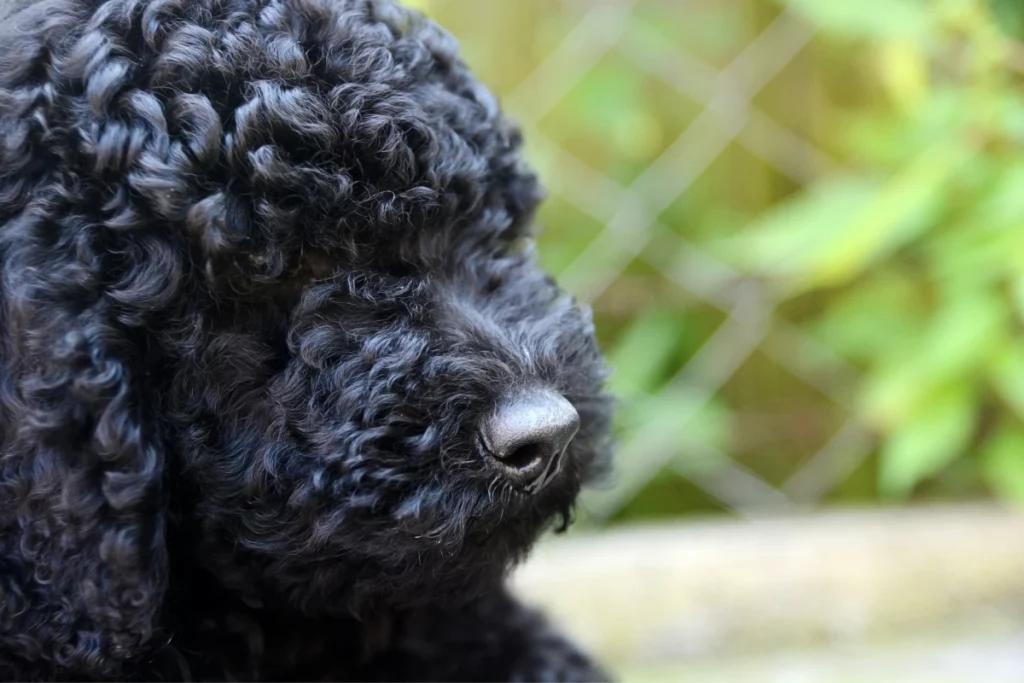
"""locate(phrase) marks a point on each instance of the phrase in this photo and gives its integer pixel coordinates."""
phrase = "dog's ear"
(83, 562)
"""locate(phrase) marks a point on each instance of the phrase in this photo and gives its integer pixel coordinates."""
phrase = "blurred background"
(800, 225)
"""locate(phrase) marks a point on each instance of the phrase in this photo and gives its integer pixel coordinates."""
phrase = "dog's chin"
(494, 544)
(442, 569)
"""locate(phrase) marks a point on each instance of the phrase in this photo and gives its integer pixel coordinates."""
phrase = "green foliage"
(919, 253)
(868, 19)
(1002, 464)
(900, 249)
(644, 352)
(1010, 15)
(928, 439)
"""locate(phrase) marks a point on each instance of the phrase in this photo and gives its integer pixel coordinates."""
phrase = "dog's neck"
(214, 635)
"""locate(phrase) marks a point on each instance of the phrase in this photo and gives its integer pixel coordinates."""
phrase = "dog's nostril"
(528, 433)
(525, 456)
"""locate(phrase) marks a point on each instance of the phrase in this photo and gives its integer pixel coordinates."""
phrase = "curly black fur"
(264, 268)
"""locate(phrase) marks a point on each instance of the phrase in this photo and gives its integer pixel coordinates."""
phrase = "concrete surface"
(820, 587)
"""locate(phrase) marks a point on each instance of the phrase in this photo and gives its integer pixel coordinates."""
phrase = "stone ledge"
(673, 593)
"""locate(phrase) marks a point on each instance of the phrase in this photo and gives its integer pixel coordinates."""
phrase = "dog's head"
(267, 288)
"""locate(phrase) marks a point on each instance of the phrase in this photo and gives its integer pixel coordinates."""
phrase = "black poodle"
(284, 393)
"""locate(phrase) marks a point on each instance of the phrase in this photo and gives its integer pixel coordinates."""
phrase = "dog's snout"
(527, 435)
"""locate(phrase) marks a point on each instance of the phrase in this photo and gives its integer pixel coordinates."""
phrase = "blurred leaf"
(1011, 115)
(617, 118)
(710, 32)
(788, 237)
(1003, 204)
(637, 135)
(903, 70)
(1002, 462)
(892, 391)
(1017, 294)
(889, 139)
(878, 319)
(833, 231)
(608, 94)
(643, 352)
(960, 337)
(901, 211)
(983, 44)
(711, 424)
(867, 18)
(964, 331)
(1007, 375)
(1010, 16)
(563, 232)
(927, 442)
(987, 244)
(674, 421)
(976, 256)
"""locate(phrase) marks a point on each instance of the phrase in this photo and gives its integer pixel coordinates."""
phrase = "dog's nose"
(528, 433)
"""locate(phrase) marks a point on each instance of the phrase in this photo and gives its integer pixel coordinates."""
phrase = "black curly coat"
(265, 266)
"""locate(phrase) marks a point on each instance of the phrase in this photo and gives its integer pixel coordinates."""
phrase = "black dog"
(283, 392)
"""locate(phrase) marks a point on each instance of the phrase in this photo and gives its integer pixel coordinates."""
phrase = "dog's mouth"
(529, 468)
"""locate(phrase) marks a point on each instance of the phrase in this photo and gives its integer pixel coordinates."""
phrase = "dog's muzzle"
(527, 434)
